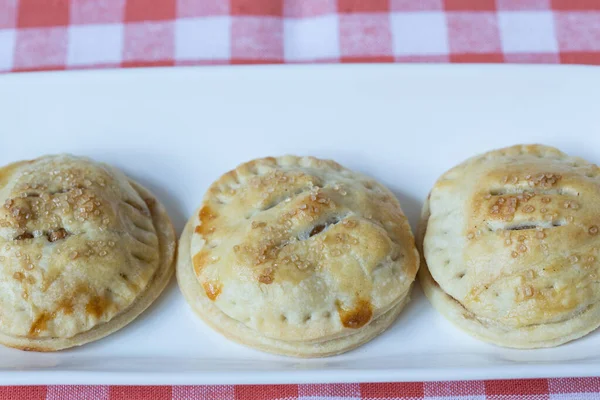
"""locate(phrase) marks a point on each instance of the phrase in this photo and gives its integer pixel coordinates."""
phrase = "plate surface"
(176, 130)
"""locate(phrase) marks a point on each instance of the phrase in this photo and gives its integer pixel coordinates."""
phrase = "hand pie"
(83, 251)
(297, 256)
(510, 239)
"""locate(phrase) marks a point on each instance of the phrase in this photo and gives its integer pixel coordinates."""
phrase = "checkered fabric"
(531, 389)
(73, 34)
(76, 34)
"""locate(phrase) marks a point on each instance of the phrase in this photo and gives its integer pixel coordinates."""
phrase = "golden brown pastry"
(83, 251)
(510, 239)
(297, 256)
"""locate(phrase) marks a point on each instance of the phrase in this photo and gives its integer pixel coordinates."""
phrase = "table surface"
(82, 34)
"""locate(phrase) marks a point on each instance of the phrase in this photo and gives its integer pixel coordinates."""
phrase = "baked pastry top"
(301, 249)
(512, 237)
(79, 245)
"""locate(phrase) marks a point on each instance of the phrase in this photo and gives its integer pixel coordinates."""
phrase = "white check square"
(419, 33)
(313, 38)
(527, 31)
(95, 44)
(203, 38)
(7, 48)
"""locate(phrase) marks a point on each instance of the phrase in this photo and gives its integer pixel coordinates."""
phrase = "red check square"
(23, 392)
(409, 390)
(576, 5)
(516, 387)
(589, 58)
(362, 6)
(257, 7)
(479, 58)
(266, 392)
(38, 14)
(144, 10)
(470, 5)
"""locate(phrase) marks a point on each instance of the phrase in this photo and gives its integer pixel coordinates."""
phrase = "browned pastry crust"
(83, 251)
(510, 239)
(298, 256)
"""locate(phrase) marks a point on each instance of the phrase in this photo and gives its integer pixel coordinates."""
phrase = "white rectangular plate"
(176, 130)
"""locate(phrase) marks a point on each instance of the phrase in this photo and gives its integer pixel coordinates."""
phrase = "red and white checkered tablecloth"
(531, 389)
(76, 34)
(71, 34)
